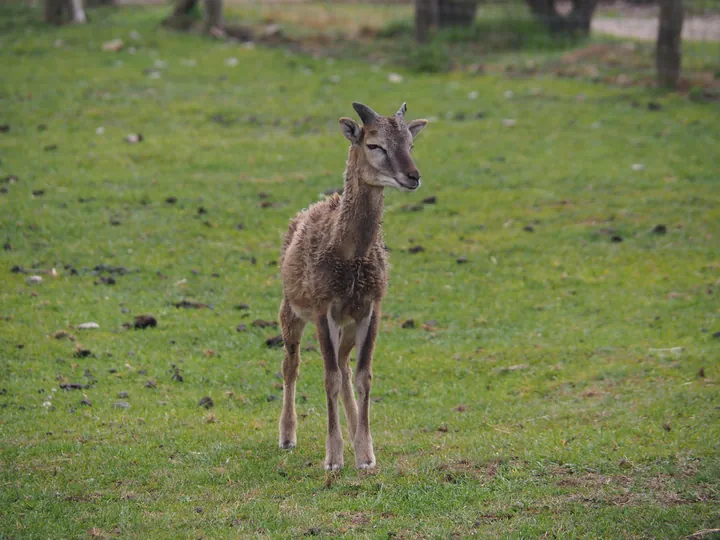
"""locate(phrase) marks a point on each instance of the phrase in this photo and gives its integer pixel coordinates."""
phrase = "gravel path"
(694, 28)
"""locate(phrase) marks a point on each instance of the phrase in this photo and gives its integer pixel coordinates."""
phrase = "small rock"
(34, 280)
(509, 122)
(616, 239)
(443, 428)
(416, 249)
(123, 395)
(528, 228)
(274, 342)
(134, 138)
(38, 192)
(395, 78)
(82, 353)
(144, 321)
(637, 167)
(462, 260)
(198, 510)
(271, 397)
(241, 328)
(659, 229)
(72, 386)
(410, 323)
(121, 405)
(206, 402)
(171, 200)
(430, 200)
(88, 326)
(113, 45)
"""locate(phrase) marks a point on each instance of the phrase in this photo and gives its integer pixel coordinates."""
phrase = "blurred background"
(437, 35)
(549, 352)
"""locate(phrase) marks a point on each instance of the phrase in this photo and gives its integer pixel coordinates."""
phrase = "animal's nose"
(414, 175)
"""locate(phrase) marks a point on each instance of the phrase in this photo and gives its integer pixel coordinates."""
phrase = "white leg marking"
(361, 334)
(334, 334)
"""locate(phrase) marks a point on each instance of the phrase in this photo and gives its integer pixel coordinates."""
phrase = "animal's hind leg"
(347, 342)
(292, 328)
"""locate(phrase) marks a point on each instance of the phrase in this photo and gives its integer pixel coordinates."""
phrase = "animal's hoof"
(366, 465)
(333, 466)
(287, 445)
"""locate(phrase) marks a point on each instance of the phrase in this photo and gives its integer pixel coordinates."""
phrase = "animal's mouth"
(408, 184)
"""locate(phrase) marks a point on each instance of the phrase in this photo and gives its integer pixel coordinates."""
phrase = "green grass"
(533, 405)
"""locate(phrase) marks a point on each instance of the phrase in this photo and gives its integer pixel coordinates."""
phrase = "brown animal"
(334, 270)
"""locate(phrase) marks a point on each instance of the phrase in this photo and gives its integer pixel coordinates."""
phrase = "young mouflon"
(334, 270)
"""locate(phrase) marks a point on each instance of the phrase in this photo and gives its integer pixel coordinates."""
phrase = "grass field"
(536, 393)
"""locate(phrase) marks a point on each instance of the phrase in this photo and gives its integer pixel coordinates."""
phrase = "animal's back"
(305, 234)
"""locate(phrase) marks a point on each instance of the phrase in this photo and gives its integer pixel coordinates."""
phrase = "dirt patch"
(595, 489)
(463, 469)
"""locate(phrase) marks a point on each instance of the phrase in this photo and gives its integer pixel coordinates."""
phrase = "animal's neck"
(361, 209)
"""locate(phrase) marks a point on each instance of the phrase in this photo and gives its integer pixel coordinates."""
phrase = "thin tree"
(62, 11)
(667, 51)
(433, 14)
(181, 17)
(577, 21)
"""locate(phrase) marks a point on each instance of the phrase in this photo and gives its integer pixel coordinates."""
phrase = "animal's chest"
(354, 284)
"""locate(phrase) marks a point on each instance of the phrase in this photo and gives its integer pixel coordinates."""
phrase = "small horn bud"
(401, 111)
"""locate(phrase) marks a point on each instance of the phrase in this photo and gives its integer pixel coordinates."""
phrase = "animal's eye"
(375, 147)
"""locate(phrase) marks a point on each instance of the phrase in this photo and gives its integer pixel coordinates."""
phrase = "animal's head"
(385, 142)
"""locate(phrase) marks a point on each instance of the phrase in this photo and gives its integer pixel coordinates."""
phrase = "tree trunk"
(576, 22)
(78, 13)
(456, 12)
(667, 50)
(426, 19)
(55, 11)
(213, 10)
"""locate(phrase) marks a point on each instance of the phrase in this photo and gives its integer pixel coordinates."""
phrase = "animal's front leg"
(329, 337)
(365, 343)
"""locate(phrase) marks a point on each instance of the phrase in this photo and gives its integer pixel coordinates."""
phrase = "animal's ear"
(351, 130)
(416, 126)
